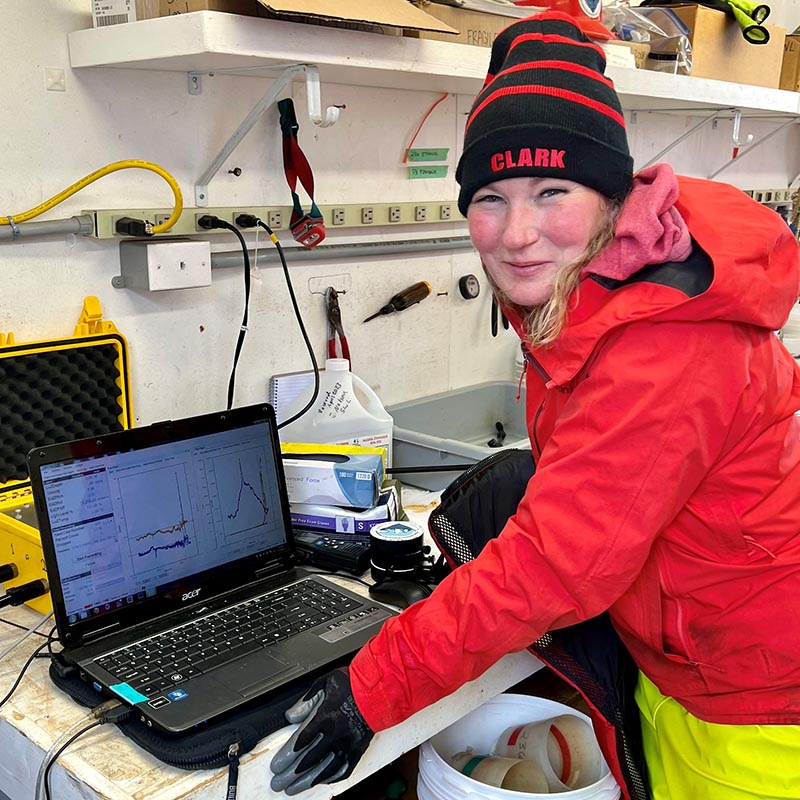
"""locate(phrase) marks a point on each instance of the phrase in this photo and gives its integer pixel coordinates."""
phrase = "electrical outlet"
(275, 219)
(337, 216)
(367, 215)
(420, 213)
(445, 211)
(160, 219)
(394, 213)
(197, 217)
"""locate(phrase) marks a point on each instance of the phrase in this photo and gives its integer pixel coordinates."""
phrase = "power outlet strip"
(342, 215)
(771, 196)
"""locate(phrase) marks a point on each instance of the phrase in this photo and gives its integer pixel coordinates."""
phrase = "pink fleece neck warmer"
(649, 230)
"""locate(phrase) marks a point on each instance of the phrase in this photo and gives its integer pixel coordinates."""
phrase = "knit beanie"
(546, 110)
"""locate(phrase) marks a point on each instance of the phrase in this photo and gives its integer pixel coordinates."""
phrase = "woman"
(661, 410)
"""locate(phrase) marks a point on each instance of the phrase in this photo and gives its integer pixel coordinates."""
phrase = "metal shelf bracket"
(315, 113)
(684, 136)
(751, 147)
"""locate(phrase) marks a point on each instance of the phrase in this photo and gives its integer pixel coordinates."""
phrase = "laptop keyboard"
(167, 659)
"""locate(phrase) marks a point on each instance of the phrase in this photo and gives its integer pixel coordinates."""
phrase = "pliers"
(335, 328)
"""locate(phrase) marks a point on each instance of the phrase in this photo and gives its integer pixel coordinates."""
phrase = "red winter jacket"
(667, 490)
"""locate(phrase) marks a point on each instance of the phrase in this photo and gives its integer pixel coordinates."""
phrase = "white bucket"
(479, 732)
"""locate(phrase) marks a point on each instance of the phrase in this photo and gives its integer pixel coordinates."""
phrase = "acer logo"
(190, 595)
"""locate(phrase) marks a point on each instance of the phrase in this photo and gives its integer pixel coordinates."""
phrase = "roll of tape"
(395, 548)
(564, 748)
(514, 774)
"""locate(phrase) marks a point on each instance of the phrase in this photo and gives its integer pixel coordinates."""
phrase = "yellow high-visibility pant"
(688, 759)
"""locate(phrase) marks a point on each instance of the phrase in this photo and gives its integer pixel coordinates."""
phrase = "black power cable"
(208, 222)
(25, 666)
(17, 595)
(251, 221)
(22, 627)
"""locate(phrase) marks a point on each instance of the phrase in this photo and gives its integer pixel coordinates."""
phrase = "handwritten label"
(336, 401)
(430, 154)
(439, 171)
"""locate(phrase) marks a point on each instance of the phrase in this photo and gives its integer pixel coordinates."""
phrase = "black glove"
(330, 741)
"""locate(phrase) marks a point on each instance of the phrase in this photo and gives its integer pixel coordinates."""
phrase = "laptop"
(172, 568)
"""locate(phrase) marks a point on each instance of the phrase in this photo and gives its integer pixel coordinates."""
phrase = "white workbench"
(105, 764)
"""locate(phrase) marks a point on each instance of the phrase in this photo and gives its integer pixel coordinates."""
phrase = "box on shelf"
(719, 50)
(473, 27)
(790, 69)
(377, 16)
(171, 8)
(619, 53)
(114, 12)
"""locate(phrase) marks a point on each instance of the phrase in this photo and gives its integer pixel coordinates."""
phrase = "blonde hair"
(542, 324)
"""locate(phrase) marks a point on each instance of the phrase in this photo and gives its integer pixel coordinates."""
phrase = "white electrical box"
(159, 264)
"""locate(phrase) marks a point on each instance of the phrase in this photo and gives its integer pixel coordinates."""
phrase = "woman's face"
(527, 229)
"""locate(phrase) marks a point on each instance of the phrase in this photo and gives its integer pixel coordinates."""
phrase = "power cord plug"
(8, 572)
(208, 222)
(128, 226)
(246, 220)
(17, 595)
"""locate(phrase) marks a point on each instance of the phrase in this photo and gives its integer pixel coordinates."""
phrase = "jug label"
(336, 401)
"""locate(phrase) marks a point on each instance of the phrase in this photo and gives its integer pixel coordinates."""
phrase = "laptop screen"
(163, 520)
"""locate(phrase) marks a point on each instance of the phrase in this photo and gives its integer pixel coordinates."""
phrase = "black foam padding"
(55, 396)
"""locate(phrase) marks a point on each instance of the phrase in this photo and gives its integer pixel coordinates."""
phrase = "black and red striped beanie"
(546, 110)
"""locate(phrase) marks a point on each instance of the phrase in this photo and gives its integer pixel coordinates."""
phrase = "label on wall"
(428, 154)
(433, 171)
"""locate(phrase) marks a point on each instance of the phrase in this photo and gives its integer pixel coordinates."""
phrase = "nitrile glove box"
(333, 519)
(334, 480)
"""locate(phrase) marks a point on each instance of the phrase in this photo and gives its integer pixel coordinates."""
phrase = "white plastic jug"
(346, 411)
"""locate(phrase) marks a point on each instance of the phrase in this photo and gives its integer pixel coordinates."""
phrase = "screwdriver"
(408, 297)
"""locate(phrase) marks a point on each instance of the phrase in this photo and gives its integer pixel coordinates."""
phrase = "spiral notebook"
(284, 390)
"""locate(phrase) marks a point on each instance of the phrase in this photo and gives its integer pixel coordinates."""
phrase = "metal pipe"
(267, 254)
(83, 225)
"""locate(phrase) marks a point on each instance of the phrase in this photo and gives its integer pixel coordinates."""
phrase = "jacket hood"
(744, 268)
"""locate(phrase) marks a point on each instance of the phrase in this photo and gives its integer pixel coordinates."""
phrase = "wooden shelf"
(208, 40)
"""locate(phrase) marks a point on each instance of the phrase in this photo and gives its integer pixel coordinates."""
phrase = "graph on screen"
(243, 497)
(157, 515)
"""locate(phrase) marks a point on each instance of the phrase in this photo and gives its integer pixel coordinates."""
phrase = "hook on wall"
(737, 121)
(330, 116)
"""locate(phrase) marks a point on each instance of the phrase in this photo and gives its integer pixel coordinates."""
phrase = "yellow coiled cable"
(97, 174)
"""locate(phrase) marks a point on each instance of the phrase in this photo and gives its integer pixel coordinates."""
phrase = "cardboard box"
(790, 68)
(473, 27)
(389, 16)
(636, 52)
(720, 51)
(114, 12)
(170, 8)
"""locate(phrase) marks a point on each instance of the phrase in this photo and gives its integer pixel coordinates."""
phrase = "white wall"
(50, 139)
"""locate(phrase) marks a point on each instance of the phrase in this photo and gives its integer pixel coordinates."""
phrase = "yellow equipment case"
(53, 391)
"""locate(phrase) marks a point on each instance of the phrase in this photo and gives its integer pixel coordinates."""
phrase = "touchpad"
(253, 673)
